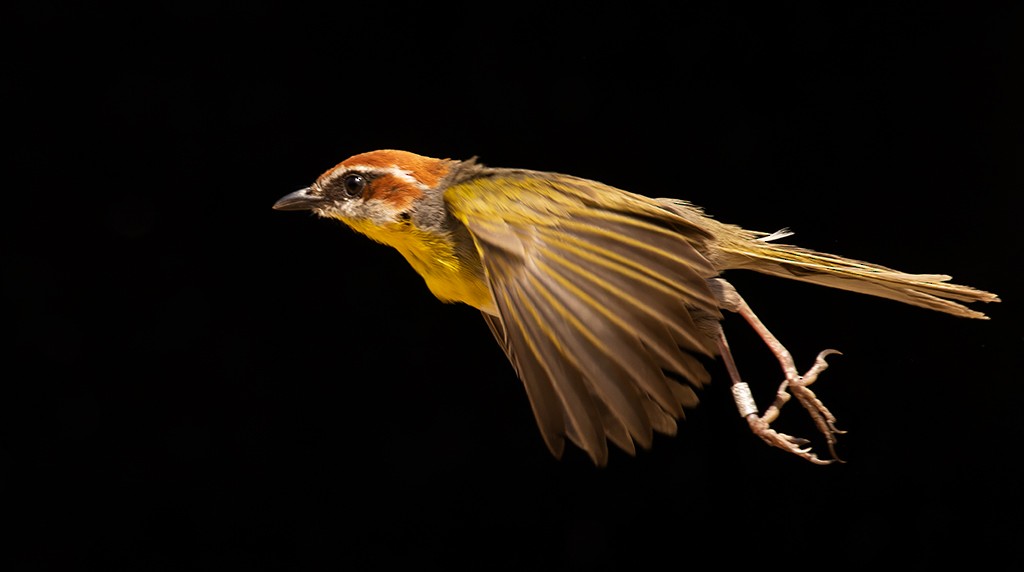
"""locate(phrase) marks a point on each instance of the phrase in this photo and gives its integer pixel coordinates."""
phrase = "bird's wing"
(599, 294)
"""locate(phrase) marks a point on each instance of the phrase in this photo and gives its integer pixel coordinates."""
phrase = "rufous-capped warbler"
(602, 299)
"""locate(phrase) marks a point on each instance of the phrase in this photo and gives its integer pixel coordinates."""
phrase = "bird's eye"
(353, 184)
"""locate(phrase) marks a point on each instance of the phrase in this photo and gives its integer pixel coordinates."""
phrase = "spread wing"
(599, 294)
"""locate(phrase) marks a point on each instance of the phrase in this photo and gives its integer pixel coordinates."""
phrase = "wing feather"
(625, 282)
(598, 360)
(582, 423)
(616, 309)
(596, 300)
(615, 429)
(547, 408)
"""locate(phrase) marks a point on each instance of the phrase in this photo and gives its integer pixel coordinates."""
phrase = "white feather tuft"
(781, 233)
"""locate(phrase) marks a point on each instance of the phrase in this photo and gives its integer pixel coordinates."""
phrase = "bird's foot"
(823, 418)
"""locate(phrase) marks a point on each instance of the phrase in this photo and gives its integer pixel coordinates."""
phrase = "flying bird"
(605, 301)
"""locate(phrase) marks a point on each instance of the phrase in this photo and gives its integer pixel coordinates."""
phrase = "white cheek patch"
(373, 210)
(377, 211)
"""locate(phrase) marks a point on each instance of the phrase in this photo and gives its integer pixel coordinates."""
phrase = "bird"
(607, 303)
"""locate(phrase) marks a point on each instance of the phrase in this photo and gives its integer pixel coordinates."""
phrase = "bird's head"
(375, 192)
(397, 198)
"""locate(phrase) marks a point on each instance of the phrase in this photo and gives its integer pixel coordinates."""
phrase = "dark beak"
(300, 200)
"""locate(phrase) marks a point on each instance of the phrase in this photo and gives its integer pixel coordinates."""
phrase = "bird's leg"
(794, 383)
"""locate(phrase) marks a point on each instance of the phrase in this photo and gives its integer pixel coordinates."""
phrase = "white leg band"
(744, 399)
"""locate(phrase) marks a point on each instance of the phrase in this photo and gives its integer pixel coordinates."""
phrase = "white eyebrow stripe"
(401, 174)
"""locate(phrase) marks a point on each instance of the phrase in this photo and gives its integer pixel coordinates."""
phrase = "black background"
(196, 381)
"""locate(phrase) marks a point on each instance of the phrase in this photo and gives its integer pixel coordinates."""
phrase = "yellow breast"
(450, 277)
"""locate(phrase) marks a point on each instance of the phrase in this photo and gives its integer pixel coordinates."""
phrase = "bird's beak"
(300, 200)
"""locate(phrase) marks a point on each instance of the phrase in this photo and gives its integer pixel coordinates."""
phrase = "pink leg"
(794, 384)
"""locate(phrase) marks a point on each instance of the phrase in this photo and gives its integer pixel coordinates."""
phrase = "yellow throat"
(435, 257)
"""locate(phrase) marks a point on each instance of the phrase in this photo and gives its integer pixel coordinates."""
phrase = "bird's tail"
(932, 291)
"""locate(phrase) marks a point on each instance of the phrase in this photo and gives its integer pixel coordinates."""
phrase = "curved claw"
(832, 451)
(805, 452)
(784, 441)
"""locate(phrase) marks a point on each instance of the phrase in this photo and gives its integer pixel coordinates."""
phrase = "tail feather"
(932, 291)
(735, 247)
